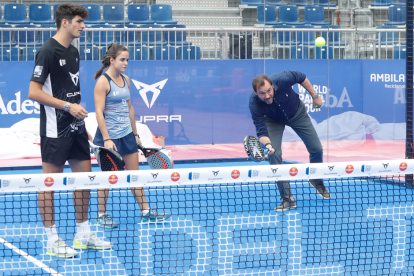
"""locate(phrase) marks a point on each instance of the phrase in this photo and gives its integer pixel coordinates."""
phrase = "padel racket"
(254, 149)
(108, 159)
(158, 159)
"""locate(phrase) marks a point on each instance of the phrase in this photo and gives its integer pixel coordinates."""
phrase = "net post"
(409, 90)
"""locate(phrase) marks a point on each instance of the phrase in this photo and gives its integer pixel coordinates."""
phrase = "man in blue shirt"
(274, 105)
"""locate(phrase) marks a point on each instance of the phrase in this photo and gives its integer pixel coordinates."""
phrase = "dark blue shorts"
(124, 145)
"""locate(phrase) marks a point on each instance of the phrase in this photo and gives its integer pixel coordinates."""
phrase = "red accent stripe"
(162, 160)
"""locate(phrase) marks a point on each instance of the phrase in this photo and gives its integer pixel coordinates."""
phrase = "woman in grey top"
(116, 127)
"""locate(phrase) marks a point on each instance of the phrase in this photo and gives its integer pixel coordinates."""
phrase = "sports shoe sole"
(144, 220)
(286, 209)
(319, 194)
(61, 255)
(77, 245)
(106, 225)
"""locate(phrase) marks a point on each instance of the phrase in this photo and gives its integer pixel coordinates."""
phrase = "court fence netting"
(222, 221)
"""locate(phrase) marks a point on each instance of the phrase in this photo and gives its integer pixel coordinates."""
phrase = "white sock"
(145, 212)
(100, 215)
(52, 235)
(83, 229)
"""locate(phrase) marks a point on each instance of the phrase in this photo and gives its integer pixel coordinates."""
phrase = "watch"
(66, 107)
(314, 97)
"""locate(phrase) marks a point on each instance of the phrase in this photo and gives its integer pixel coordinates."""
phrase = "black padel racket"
(254, 149)
(158, 159)
(108, 159)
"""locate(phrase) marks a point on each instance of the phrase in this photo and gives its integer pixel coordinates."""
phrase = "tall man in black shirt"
(55, 85)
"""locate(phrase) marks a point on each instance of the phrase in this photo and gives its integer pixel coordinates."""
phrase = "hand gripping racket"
(108, 159)
(254, 149)
(157, 159)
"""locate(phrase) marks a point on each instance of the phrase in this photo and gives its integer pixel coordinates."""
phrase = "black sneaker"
(320, 188)
(286, 205)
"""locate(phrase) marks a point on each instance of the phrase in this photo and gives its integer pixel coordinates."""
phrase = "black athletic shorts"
(59, 150)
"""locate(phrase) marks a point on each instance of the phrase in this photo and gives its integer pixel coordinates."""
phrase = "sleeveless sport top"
(116, 110)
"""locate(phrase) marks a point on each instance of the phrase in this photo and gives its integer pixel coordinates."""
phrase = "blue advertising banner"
(203, 102)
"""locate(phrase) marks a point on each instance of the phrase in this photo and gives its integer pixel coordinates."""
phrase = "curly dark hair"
(68, 12)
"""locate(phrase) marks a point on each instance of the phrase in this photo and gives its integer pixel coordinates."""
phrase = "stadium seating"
(315, 15)
(269, 12)
(126, 37)
(139, 14)
(45, 35)
(26, 38)
(40, 14)
(321, 52)
(94, 14)
(162, 14)
(396, 15)
(101, 38)
(29, 53)
(189, 52)
(113, 13)
(163, 53)
(383, 3)
(334, 37)
(275, 3)
(323, 3)
(251, 2)
(10, 54)
(139, 53)
(289, 15)
(55, 6)
(6, 36)
(399, 52)
(283, 37)
(15, 13)
(305, 38)
(152, 38)
(89, 53)
(299, 52)
(387, 38)
(176, 37)
(299, 2)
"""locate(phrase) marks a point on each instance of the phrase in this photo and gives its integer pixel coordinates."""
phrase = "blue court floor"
(227, 229)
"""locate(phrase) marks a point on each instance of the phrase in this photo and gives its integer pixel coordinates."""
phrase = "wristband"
(107, 139)
(314, 97)
(136, 135)
(267, 144)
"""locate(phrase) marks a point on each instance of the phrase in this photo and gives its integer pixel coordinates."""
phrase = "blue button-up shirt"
(285, 102)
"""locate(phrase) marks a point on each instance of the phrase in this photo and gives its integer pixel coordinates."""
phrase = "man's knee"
(275, 158)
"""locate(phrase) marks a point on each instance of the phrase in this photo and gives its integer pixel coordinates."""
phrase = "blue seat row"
(98, 38)
(324, 3)
(157, 37)
(289, 15)
(290, 37)
(112, 14)
(96, 53)
(314, 15)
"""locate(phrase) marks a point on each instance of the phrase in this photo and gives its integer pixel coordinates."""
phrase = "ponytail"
(112, 52)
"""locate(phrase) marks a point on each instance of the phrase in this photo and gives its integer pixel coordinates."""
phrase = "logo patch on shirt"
(38, 70)
(74, 77)
(62, 62)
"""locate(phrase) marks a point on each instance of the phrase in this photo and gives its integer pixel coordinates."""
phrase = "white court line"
(30, 258)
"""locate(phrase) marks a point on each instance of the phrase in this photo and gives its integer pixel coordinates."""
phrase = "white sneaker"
(60, 249)
(92, 242)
